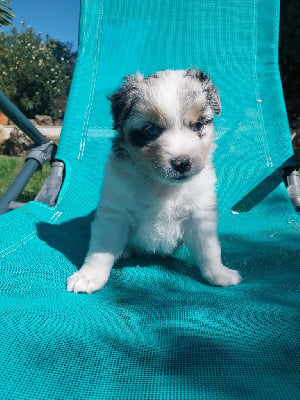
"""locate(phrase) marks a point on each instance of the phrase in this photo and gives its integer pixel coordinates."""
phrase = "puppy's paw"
(223, 276)
(87, 280)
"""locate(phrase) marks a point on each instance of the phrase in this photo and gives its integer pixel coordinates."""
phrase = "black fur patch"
(155, 76)
(197, 74)
(212, 93)
(122, 100)
(140, 138)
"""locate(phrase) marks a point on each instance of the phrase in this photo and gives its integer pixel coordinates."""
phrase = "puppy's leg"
(109, 236)
(200, 236)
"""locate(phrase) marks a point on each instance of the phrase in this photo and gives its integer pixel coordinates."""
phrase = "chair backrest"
(158, 332)
(234, 42)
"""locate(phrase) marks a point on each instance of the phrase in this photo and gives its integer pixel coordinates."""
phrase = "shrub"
(35, 74)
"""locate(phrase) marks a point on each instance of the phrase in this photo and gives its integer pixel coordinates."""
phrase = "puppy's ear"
(213, 97)
(123, 98)
(212, 92)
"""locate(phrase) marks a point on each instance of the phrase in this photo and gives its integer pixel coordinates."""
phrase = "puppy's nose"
(181, 164)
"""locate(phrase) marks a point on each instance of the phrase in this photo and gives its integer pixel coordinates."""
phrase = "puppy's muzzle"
(181, 164)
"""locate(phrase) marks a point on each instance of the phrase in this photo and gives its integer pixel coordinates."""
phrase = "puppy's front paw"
(87, 280)
(223, 276)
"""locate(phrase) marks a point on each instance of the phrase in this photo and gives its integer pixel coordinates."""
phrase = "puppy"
(159, 184)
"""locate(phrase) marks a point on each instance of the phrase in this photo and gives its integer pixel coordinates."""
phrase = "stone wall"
(13, 142)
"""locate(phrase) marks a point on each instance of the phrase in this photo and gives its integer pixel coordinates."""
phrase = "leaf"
(6, 13)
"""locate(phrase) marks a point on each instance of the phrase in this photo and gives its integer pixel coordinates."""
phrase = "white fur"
(144, 213)
(137, 214)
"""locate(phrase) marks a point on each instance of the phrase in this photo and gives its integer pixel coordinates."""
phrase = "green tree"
(6, 14)
(35, 74)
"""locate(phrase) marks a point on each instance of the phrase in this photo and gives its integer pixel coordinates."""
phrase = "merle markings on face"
(165, 122)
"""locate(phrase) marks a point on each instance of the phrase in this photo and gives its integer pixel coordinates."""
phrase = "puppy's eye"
(146, 134)
(153, 130)
(197, 126)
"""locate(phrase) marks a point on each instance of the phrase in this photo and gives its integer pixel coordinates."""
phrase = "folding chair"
(156, 330)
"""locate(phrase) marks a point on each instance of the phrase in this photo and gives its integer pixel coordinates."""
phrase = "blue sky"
(57, 18)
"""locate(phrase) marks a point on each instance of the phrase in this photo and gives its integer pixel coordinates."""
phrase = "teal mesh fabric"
(156, 330)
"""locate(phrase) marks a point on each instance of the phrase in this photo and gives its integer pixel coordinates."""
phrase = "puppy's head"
(165, 122)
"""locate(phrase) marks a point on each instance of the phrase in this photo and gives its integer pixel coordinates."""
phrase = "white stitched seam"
(21, 243)
(257, 92)
(28, 238)
(92, 89)
(21, 240)
(294, 224)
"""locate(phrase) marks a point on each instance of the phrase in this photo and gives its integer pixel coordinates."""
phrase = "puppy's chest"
(157, 224)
